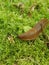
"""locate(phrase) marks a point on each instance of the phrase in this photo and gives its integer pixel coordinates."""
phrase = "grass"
(14, 51)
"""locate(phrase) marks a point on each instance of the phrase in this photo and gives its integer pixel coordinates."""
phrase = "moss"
(13, 22)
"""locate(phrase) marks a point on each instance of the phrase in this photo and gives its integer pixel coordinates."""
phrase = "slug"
(35, 31)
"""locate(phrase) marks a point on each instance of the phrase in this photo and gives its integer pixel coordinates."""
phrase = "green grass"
(13, 22)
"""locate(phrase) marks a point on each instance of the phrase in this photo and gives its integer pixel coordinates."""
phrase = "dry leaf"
(11, 39)
(19, 5)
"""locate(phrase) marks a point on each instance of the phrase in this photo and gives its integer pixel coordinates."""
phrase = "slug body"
(35, 31)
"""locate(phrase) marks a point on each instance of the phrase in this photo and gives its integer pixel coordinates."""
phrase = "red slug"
(35, 31)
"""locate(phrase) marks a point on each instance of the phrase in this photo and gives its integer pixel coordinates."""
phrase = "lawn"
(14, 21)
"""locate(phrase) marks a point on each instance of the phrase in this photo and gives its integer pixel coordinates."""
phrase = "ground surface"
(14, 51)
